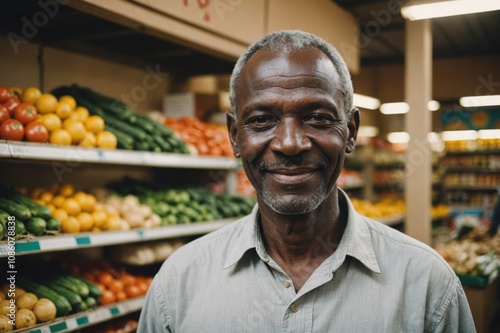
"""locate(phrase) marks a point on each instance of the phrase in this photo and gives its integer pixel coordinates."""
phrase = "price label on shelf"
(99, 315)
(4, 149)
(71, 323)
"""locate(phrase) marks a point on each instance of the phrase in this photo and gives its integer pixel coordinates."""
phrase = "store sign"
(238, 19)
(471, 119)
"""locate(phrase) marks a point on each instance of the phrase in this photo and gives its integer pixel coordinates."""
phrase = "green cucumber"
(124, 127)
(72, 284)
(4, 217)
(20, 228)
(125, 141)
(62, 304)
(13, 208)
(74, 299)
(145, 125)
(53, 224)
(90, 302)
(36, 225)
(94, 291)
(35, 208)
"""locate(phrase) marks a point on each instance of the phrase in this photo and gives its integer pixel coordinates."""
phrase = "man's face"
(291, 130)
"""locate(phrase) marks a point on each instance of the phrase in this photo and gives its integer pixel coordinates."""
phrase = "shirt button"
(294, 307)
(286, 284)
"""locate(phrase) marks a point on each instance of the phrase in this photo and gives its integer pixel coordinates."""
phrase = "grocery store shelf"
(472, 187)
(89, 318)
(76, 241)
(48, 152)
(392, 220)
(471, 169)
(394, 165)
(473, 152)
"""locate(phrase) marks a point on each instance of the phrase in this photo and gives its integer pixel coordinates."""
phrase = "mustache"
(296, 161)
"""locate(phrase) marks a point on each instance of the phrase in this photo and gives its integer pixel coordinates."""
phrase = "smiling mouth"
(292, 176)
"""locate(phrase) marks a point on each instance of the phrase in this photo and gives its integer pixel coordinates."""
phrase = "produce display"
(472, 145)
(34, 116)
(474, 161)
(475, 253)
(472, 179)
(132, 130)
(185, 205)
(243, 185)
(349, 178)
(204, 138)
(144, 254)
(391, 207)
(29, 217)
(28, 309)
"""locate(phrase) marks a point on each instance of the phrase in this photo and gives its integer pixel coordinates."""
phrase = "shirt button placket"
(294, 308)
(286, 284)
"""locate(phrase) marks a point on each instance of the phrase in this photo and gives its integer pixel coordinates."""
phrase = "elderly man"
(303, 260)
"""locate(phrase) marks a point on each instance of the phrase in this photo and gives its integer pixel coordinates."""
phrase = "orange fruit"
(71, 206)
(66, 190)
(94, 124)
(70, 225)
(116, 286)
(76, 129)
(105, 278)
(133, 291)
(51, 122)
(114, 223)
(60, 137)
(86, 221)
(106, 140)
(100, 218)
(31, 95)
(63, 110)
(89, 140)
(87, 203)
(59, 214)
(58, 200)
(121, 296)
(107, 297)
(46, 103)
(68, 100)
(82, 112)
(46, 196)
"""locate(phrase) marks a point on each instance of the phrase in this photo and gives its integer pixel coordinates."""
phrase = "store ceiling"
(383, 33)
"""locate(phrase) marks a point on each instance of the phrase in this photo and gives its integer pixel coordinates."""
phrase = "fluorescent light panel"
(394, 108)
(398, 137)
(433, 105)
(459, 135)
(489, 134)
(427, 10)
(367, 102)
(367, 131)
(486, 100)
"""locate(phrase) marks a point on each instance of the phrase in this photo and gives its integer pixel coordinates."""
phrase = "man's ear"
(352, 126)
(231, 127)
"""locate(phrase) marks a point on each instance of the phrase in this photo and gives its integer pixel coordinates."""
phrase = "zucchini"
(62, 304)
(125, 141)
(35, 208)
(13, 208)
(74, 299)
(20, 228)
(53, 224)
(94, 290)
(141, 146)
(165, 146)
(111, 106)
(113, 122)
(72, 284)
(90, 302)
(36, 225)
(145, 125)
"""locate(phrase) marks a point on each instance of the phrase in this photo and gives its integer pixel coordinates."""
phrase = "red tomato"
(11, 105)
(25, 113)
(36, 132)
(11, 129)
(4, 113)
(5, 94)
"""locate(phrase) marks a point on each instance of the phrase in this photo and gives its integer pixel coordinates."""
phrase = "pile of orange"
(207, 138)
(77, 211)
(67, 123)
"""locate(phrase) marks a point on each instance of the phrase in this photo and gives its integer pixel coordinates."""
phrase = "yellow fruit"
(87, 201)
(5, 324)
(16, 91)
(67, 99)
(46, 196)
(100, 218)
(96, 229)
(76, 129)
(44, 310)
(71, 206)
(25, 318)
(58, 200)
(26, 301)
(59, 214)
(73, 116)
(106, 140)
(82, 112)
(46, 103)
(94, 124)
(36, 193)
(31, 95)
(51, 122)
(70, 225)
(63, 110)
(86, 221)
(89, 140)
(113, 224)
(60, 137)
(66, 190)
(51, 207)
(19, 292)
(5, 307)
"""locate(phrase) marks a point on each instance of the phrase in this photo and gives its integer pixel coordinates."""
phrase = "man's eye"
(261, 121)
(319, 119)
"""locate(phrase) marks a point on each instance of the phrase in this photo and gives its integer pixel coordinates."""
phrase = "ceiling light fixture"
(420, 10)
(398, 137)
(394, 108)
(489, 134)
(367, 131)
(367, 102)
(433, 105)
(459, 135)
(486, 100)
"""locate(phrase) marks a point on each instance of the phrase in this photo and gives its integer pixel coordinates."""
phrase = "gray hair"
(293, 41)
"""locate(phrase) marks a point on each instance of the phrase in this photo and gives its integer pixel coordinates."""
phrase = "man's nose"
(290, 137)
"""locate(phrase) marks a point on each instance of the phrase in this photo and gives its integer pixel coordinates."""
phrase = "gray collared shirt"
(378, 280)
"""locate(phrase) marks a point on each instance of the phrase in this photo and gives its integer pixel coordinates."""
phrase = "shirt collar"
(356, 239)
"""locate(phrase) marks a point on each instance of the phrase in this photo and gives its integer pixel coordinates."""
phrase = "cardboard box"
(484, 305)
(189, 104)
